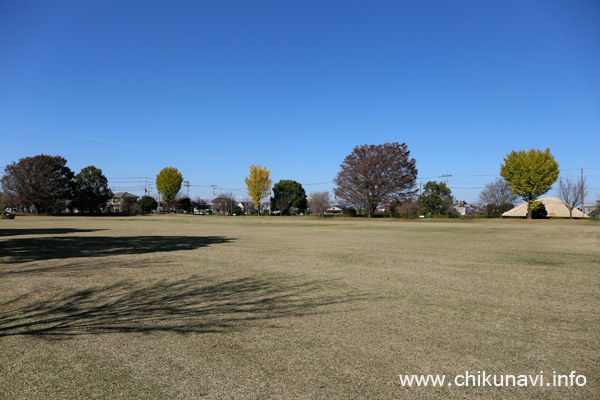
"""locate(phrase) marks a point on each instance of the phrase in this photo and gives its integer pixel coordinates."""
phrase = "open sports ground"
(201, 307)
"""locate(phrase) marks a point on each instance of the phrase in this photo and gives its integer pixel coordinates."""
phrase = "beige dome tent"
(554, 206)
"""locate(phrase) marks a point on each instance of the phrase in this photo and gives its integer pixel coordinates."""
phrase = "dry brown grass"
(284, 308)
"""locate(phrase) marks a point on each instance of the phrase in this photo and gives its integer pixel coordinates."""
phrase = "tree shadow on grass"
(20, 250)
(192, 305)
(43, 231)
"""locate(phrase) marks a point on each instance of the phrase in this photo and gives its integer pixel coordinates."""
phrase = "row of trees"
(373, 175)
(370, 176)
(46, 183)
(288, 195)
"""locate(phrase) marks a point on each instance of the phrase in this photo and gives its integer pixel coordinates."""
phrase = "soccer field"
(189, 307)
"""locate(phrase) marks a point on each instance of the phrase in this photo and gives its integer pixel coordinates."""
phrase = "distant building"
(592, 211)
(223, 205)
(383, 209)
(466, 209)
(335, 209)
(120, 200)
(554, 206)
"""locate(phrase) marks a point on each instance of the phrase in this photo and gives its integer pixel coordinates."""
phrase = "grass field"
(198, 307)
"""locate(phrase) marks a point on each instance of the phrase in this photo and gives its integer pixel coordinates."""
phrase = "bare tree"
(129, 205)
(319, 202)
(200, 203)
(134, 208)
(5, 202)
(248, 206)
(281, 203)
(265, 208)
(570, 192)
(496, 197)
(376, 174)
(497, 193)
(408, 207)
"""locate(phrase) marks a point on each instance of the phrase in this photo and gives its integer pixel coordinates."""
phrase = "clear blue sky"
(211, 87)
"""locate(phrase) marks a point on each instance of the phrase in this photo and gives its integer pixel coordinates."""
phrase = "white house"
(335, 209)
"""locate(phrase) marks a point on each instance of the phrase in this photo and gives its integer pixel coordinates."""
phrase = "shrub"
(135, 208)
(538, 210)
(407, 208)
(350, 212)
(148, 204)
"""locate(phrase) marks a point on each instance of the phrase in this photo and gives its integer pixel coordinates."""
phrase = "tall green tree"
(91, 190)
(436, 198)
(288, 194)
(258, 184)
(529, 174)
(42, 181)
(168, 184)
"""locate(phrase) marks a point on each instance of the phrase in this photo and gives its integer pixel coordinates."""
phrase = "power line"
(224, 188)
(318, 183)
(463, 176)
(456, 176)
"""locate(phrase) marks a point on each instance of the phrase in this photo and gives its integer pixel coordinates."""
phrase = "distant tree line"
(384, 175)
(372, 179)
(46, 184)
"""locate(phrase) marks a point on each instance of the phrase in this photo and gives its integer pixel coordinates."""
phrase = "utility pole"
(420, 183)
(581, 182)
(187, 183)
(145, 187)
(447, 176)
(213, 199)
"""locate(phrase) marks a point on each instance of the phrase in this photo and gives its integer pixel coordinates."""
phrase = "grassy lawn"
(192, 307)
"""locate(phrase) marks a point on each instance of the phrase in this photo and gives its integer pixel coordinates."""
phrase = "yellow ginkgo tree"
(529, 174)
(259, 184)
(168, 184)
